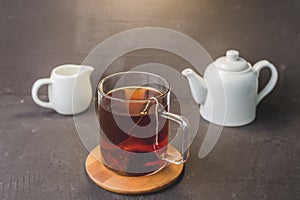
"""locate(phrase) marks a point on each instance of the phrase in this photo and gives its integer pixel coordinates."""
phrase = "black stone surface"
(41, 155)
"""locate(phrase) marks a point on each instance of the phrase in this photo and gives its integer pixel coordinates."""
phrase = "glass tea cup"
(133, 113)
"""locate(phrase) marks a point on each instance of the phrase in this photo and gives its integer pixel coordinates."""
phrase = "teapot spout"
(197, 85)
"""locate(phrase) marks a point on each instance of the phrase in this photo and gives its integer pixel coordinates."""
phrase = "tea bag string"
(156, 116)
(156, 119)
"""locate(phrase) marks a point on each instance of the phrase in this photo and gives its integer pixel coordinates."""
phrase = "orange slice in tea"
(136, 94)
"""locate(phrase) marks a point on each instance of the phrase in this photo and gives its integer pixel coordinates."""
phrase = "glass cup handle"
(184, 124)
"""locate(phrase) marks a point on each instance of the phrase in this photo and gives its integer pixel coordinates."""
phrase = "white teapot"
(228, 92)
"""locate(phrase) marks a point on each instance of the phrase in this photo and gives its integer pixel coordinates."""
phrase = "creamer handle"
(35, 89)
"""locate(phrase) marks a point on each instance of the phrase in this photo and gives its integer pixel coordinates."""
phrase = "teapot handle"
(272, 82)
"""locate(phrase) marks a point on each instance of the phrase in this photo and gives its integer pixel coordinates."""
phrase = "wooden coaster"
(116, 183)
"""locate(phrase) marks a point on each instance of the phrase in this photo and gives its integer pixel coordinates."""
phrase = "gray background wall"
(37, 35)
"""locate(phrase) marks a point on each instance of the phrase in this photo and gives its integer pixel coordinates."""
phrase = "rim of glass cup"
(100, 86)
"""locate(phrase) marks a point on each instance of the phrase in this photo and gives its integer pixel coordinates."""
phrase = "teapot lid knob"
(231, 62)
(232, 55)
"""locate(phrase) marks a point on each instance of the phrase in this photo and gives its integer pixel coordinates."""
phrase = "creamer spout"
(86, 69)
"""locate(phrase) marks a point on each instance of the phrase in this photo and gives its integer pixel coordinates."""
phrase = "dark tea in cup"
(133, 118)
(126, 149)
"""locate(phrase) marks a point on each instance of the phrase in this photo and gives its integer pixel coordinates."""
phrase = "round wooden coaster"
(116, 183)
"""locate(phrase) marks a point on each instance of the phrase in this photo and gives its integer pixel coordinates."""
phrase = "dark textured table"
(41, 154)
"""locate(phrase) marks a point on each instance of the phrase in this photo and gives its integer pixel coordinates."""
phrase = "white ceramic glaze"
(61, 89)
(228, 92)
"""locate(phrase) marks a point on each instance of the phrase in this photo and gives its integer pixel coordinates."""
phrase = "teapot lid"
(231, 62)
